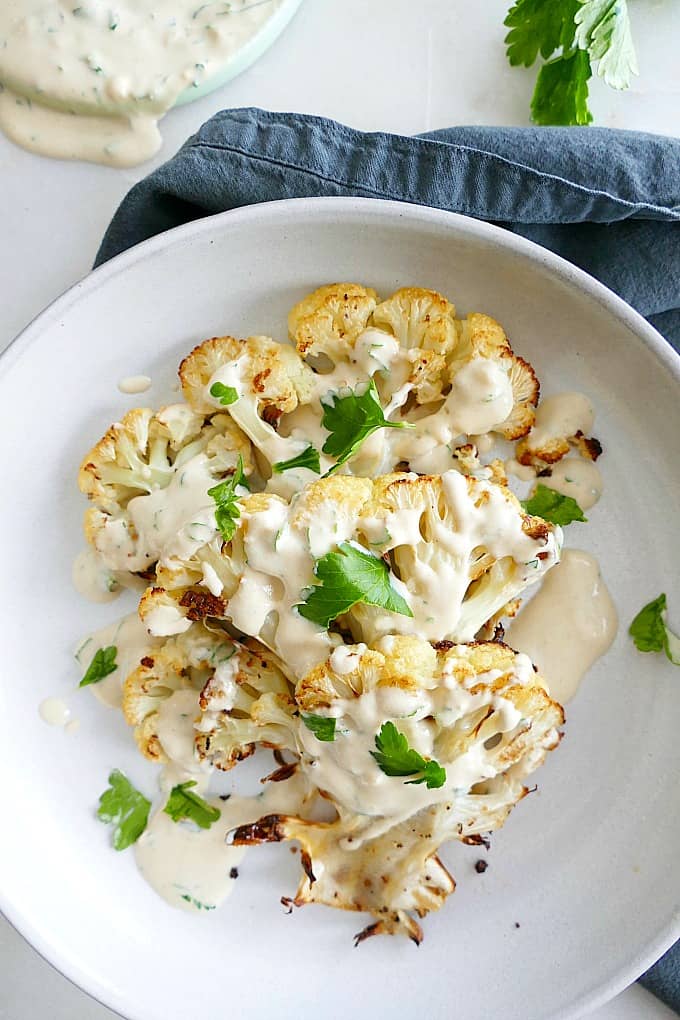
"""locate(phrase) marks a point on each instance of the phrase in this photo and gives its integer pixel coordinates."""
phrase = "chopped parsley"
(309, 459)
(651, 633)
(321, 726)
(184, 803)
(396, 758)
(227, 511)
(347, 577)
(225, 394)
(351, 418)
(103, 662)
(125, 808)
(553, 506)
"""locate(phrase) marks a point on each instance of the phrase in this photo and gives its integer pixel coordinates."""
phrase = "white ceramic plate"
(587, 867)
(240, 61)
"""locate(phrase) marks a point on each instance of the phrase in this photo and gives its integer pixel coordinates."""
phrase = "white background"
(393, 65)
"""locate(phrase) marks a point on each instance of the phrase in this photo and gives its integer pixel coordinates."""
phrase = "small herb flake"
(227, 511)
(183, 803)
(396, 758)
(225, 394)
(103, 662)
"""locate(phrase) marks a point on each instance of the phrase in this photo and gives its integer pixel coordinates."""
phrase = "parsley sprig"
(396, 758)
(572, 36)
(651, 633)
(103, 662)
(553, 506)
(227, 510)
(347, 577)
(184, 803)
(125, 808)
(351, 418)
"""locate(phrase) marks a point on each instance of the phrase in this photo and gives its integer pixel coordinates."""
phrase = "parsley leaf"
(225, 394)
(227, 510)
(553, 506)
(321, 726)
(183, 803)
(396, 758)
(349, 576)
(103, 663)
(309, 458)
(124, 807)
(603, 29)
(539, 26)
(651, 633)
(561, 93)
(350, 419)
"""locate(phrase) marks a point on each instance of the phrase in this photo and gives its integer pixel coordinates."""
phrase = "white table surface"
(394, 65)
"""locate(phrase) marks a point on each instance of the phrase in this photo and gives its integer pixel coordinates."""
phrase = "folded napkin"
(608, 201)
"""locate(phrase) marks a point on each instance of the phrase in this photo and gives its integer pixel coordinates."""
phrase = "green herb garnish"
(347, 577)
(183, 803)
(309, 458)
(321, 726)
(227, 510)
(553, 506)
(572, 36)
(124, 807)
(651, 633)
(225, 394)
(352, 418)
(103, 662)
(396, 758)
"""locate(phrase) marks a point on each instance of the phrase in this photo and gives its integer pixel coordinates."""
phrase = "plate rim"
(339, 207)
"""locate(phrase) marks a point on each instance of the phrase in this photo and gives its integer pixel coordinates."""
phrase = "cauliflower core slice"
(479, 710)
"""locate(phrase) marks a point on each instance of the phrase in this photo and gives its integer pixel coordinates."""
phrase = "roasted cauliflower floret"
(419, 318)
(175, 672)
(138, 476)
(562, 421)
(328, 321)
(479, 711)
(248, 701)
(462, 547)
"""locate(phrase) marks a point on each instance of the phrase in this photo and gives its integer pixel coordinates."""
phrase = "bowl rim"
(335, 208)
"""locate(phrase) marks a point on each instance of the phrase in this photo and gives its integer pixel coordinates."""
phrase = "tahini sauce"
(568, 625)
(89, 80)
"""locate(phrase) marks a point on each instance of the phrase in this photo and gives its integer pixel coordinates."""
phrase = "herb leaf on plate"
(321, 726)
(103, 663)
(184, 803)
(553, 506)
(651, 633)
(396, 758)
(227, 510)
(351, 418)
(124, 807)
(309, 458)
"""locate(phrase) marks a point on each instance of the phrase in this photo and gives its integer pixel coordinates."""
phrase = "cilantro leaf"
(561, 93)
(603, 29)
(553, 506)
(396, 758)
(651, 633)
(321, 726)
(124, 807)
(225, 394)
(183, 803)
(309, 458)
(351, 419)
(539, 26)
(227, 511)
(347, 577)
(103, 663)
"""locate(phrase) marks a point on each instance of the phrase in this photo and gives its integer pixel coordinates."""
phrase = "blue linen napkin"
(608, 201)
